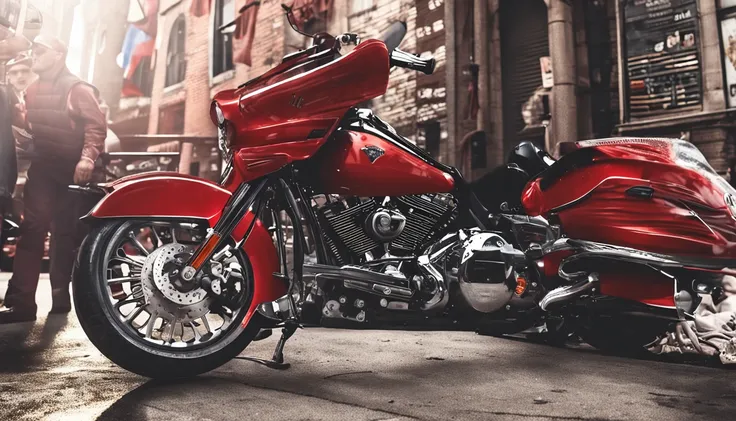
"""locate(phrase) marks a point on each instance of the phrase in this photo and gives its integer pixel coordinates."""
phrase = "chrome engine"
(360, 230)
(479, 263)
(486, 273)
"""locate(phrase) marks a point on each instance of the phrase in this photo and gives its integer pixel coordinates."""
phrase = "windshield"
(689, 156)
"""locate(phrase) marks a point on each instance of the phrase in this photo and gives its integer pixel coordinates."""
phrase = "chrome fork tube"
(234, 212)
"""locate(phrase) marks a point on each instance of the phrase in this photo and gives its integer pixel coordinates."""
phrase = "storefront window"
(662, 57)
(728, 43)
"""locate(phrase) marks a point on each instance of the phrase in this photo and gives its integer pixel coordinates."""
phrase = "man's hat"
(51, 43)
(22, 58)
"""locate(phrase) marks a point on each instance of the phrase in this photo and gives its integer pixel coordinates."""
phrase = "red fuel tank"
(361, 164)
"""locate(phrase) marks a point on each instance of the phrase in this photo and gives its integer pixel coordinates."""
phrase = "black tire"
(619, 337)
(106, 335)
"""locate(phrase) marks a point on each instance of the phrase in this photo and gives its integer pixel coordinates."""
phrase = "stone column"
(714, 98)
(484, 27)
(480, 26)
(564, 125)
(185, 157)
(449, 152)
(495, 153)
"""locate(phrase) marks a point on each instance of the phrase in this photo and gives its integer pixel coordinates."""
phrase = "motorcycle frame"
(286, 184)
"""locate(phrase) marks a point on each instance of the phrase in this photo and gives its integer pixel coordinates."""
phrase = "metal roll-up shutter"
(524, 40)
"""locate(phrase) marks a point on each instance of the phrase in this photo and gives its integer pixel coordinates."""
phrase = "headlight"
(216, 115)
(220, 115)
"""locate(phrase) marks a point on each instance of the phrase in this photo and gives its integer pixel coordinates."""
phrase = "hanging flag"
(133, 38)
(137, 46)
(149, 23)
(139, 70)
(245, 29)
(141, 51)
(200, 8)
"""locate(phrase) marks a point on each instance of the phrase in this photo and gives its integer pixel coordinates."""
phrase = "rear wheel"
(624, 337)
(151, 325)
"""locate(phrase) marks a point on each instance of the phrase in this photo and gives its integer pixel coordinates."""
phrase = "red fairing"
(160, 195)
(645, 287)
(687, 215)
(344, 168)
(264, 262)
(287, 114)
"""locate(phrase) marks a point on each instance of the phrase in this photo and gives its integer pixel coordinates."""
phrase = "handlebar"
(403, 59)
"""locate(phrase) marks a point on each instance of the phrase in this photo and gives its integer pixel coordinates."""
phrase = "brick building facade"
(413, 103)
(488, 81)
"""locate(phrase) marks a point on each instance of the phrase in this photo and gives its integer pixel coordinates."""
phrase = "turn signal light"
(520, 285)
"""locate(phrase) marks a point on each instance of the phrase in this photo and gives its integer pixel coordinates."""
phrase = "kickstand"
(277, 361)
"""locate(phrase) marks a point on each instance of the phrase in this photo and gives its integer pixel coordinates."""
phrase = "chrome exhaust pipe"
(568, 292)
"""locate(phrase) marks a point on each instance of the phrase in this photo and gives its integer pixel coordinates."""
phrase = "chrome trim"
(378, 289)
(278, 310)
(557, 245)
(222, 139)
(441, 297)
(567, 292)
(590, 248)
(730, 203)
(220, 115)
(485, 297)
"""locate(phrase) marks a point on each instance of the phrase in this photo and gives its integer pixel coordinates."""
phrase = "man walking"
(68, 129)
(20, 77)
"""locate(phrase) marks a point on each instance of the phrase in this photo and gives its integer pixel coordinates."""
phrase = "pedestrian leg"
(66, 236)
(37, 213)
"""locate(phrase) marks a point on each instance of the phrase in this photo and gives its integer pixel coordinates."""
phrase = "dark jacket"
(56, 137)
(8, 163)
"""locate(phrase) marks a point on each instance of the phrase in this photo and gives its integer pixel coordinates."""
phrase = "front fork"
(233, 213)
(284, 309)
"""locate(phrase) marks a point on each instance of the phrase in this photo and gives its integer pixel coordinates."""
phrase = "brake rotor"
(162, 297)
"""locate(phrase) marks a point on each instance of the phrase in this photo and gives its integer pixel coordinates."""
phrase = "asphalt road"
(49, 371)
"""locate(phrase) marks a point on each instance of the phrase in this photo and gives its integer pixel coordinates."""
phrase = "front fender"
(178, 196)
(162, 194)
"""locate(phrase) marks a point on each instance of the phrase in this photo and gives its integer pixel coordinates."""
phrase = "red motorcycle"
(642, 250)
(325, 214)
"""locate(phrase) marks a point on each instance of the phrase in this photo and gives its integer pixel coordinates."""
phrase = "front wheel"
(145, 322)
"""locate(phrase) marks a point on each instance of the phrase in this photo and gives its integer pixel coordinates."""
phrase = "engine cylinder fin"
(424, 213)
(346, 225)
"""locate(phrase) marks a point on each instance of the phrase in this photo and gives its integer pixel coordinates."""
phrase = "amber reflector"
(208, 246)
(520, 285)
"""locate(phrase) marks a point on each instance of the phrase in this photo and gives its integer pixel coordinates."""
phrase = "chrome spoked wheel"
(152, 309)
